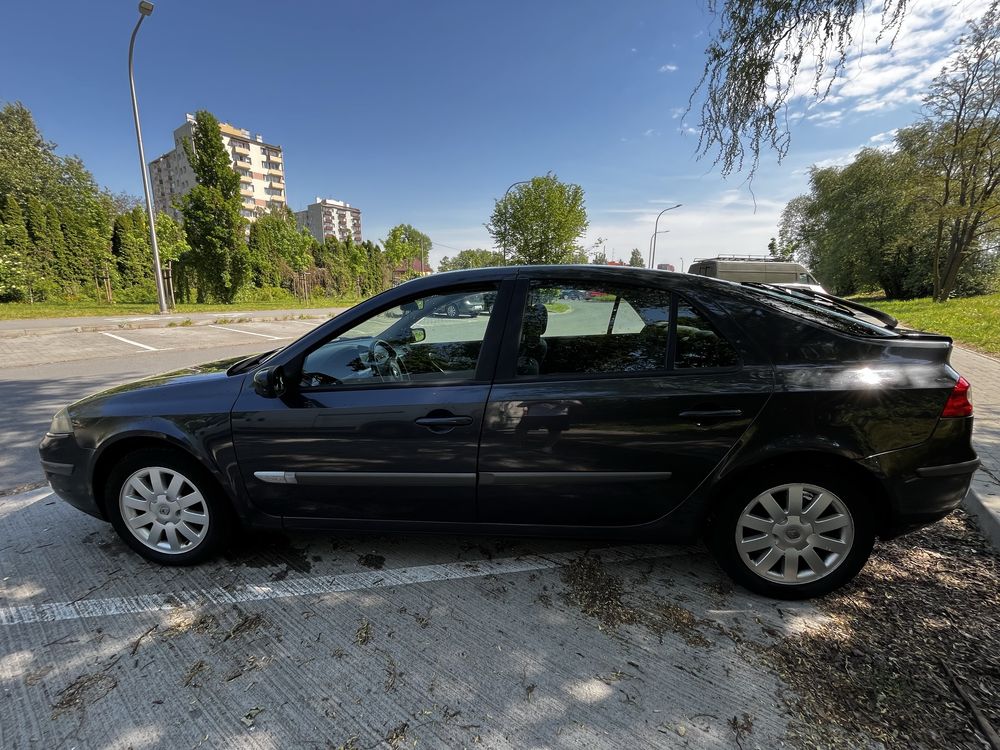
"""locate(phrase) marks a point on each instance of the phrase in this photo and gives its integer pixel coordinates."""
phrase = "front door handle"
(711, 413)
(443, 423)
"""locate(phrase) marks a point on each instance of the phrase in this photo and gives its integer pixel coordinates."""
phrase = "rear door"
(609, 410)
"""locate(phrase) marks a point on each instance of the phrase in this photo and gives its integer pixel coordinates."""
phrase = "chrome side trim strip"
(569, 477)
(368, 478)
(276, 477)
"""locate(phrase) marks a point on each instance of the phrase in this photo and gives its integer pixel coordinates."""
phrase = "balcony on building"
(240, 148)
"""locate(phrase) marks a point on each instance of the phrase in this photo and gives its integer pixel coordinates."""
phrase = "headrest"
(536, 320)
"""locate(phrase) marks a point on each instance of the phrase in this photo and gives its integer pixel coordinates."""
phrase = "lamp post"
(505, 194)
(662, 231)
(145, 9)
(656, 228)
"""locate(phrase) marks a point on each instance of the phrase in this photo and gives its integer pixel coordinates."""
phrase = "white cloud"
(668, 68)
(881, 139)
(727, 222)
(894, 70)
(649, 132)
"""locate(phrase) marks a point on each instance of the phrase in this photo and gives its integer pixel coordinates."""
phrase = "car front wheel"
(794, 540)
(166, 507)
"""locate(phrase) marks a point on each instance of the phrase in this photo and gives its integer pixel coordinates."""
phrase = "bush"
(264, 294)
(136, 295)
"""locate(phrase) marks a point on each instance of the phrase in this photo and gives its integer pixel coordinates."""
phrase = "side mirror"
(419, 334)
(269, 382)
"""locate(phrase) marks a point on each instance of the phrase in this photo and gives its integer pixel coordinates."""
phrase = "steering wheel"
(385, 361)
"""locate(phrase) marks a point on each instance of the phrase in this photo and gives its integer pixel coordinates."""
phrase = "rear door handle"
(452, 421)
(711, 413)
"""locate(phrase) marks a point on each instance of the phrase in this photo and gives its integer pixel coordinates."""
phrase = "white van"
(763, 270)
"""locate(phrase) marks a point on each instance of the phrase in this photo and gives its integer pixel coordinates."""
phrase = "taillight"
(958, 404)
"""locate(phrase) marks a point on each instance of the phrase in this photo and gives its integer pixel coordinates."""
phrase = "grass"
(971, 321)
(23, 310)
(557, 307)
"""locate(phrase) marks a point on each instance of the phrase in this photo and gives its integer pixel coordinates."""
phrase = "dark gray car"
(788, 428)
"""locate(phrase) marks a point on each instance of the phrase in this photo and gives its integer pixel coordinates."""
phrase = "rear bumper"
(926, 496)
(65, 465)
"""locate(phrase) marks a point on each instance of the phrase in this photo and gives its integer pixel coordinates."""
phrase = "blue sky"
(425, 112)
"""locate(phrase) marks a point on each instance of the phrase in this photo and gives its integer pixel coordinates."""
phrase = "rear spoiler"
(829, 300)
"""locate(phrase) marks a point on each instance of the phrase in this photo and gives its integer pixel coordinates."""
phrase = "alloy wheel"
(164, 510)
(794, 534)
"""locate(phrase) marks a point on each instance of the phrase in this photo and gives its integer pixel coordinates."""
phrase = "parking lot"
(336, 641)
(366, 642)
(71, 346)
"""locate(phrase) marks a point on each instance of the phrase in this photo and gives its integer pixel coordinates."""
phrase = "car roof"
(572, 273)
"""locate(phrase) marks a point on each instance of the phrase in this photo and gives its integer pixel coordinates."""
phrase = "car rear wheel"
(794, 539)
(166, 507)
(452, 311)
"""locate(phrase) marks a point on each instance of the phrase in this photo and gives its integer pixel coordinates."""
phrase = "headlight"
(61, 423)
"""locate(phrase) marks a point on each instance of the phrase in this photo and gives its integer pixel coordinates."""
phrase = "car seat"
(533, 347)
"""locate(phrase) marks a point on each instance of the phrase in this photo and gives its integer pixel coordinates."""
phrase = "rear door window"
(613, 329)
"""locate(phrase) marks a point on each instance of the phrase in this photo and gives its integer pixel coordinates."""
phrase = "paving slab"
(983, 500)
(324, 641)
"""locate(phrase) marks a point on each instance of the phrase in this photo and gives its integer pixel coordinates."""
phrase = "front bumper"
(66, 468)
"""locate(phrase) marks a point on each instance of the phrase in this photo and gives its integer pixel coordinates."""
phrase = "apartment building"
(259, 164)
(330, 218)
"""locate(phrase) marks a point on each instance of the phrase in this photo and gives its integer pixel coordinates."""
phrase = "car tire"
(166, 507)
(451, 311)
(757, 536)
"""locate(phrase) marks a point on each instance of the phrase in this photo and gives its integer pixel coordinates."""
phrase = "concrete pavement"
(983, 500)
(41, 326)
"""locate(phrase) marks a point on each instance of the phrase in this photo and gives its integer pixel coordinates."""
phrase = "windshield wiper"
(846, 306)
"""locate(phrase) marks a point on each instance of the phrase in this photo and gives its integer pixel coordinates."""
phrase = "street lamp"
(662, 231)
(145, 9)
(506, 192)
(656, 227)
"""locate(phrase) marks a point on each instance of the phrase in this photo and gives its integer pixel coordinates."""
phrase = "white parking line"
(133, 343)
(249, 333)
(319, 585)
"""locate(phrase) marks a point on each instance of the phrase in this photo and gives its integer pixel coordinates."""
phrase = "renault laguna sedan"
(788, 428)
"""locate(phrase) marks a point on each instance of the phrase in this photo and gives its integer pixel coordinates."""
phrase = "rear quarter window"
(828, 318)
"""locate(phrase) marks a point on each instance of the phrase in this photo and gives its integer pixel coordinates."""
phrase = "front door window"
(436, 338)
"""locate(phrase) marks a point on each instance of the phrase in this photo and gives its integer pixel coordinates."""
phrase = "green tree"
(958, 145)
(541, 221)
(219, 258)
(28, 163)
(635, 259)
(15, 250)
(170, 239)
(278, 249)
(862, 227)
(406, 244)
(130, 250)
(472, 258)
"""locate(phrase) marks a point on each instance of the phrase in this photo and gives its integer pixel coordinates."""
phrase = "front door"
(382, 420)
(615, 403)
